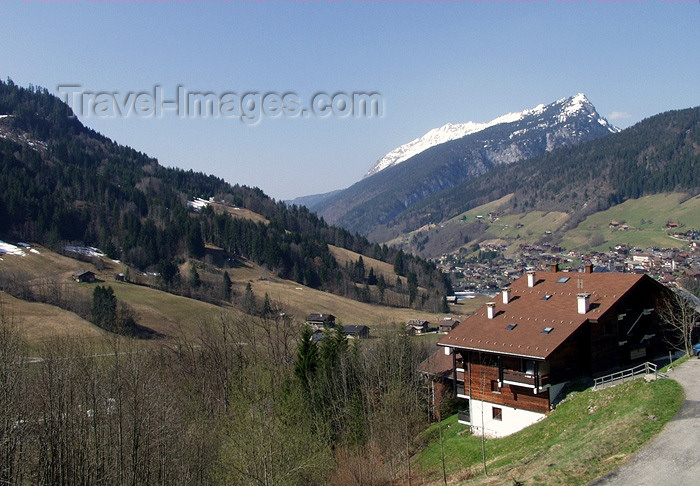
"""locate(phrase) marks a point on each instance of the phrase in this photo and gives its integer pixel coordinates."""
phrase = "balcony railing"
(460, 389)
(526, 379)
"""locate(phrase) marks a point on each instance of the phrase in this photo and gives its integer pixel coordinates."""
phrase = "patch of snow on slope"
(198, 203)
(9, 249)
(89, 251)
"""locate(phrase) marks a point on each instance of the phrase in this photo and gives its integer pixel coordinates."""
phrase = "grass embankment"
(587, 436)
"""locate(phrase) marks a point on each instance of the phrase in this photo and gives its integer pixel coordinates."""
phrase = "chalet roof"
(416, 322)
(80, 273)
(518, 327)
(320, 317)
(354, 328)
(437, 364)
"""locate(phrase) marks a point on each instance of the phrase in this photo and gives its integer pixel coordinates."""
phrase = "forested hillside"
(62, 183)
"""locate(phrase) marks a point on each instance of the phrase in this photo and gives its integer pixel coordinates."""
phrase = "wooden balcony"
(524, 379)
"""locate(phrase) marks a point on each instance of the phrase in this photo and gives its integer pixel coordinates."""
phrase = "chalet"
(84, 276)
(320, 321)
(447, 324)
(355, 332)
(512, 358)
(417, 326)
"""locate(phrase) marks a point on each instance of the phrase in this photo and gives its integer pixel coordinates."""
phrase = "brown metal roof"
(531, 312)
(437, 364)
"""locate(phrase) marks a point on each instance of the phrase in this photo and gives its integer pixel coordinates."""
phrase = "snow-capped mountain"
(575, 106)
(446, 158)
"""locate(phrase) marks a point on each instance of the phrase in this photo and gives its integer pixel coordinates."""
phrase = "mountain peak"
(565, 108)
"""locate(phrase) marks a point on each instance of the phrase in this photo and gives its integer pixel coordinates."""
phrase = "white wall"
(513, 419)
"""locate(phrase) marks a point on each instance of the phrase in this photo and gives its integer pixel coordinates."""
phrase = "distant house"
(84, 276)
(355, 332)
(447, 324)
(320, 321)
(120, 277)
(417, 326)
(513, 358)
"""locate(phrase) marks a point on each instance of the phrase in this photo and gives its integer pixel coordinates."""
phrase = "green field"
(585, 437)
(646, 218)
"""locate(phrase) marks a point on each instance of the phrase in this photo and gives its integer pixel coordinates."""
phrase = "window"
(547, 330)
(510, 327)
(546, 297)
(527, 366)
(563, 279)
(494, 386)
(497, 413)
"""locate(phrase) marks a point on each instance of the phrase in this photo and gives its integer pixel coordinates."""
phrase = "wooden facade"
(499, 380)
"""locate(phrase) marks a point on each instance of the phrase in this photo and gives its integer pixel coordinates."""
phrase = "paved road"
(673, 456)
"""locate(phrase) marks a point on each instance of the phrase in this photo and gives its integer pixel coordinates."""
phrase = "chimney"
(588, 268)
(584, 303)
(506, 295)
(448, 350)
(555, 267)
(490, 309)
(531, 278)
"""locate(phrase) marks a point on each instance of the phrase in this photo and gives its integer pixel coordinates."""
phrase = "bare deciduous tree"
(680, 320)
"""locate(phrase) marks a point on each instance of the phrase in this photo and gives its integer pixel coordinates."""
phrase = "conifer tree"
(104, 307)
(195, 280)
(249, 303)
(227, 286)
(307, 358)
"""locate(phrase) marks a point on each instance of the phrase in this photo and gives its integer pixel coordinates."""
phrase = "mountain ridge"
(377, 200)
(449, 131)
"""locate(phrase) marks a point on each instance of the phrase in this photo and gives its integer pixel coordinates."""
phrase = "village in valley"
(667, 265)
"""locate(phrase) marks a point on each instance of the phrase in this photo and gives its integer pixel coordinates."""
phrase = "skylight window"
(510, 327)
(546, 297)
(547, 330)
(563, 279)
